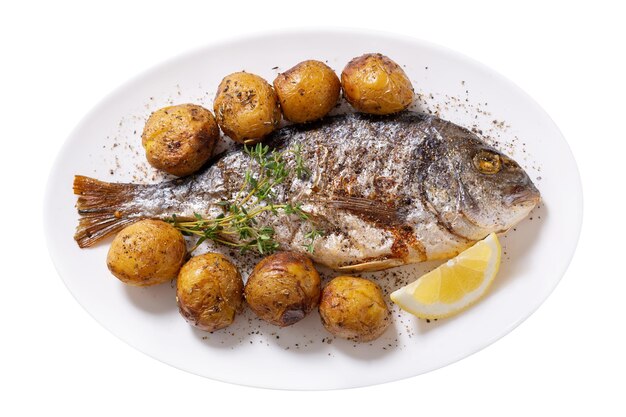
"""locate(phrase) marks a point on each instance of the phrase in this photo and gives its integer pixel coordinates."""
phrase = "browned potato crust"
(354, 308)
(283, 288)
(146, 253)
(209, 292)
(180, 139)
(307, 91)
(373, 83)
(246, 107)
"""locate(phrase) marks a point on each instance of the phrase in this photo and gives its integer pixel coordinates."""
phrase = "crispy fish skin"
(386, 191)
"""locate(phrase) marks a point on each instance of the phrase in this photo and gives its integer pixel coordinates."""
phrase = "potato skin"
(145, 253)
(246, 107)
(180, 139)
(283, 288)
(209, 292)
(373, 83)
(354, 308)
(308, 91)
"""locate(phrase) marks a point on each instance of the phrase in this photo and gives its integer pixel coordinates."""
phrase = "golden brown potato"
(209, 292)
(146, 253)
(307, 91)
(246, 107)
(180, 139)
(283, 288)
(354, 308)
(373, 83)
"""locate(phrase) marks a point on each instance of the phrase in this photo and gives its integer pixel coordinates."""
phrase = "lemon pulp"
(454, 285)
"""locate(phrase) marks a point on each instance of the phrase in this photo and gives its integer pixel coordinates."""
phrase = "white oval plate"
(107, 145)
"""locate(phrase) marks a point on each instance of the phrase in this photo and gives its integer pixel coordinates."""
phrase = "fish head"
(500, 191)
(476, 189)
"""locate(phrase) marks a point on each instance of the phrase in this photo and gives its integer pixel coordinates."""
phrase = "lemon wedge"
(454, 285)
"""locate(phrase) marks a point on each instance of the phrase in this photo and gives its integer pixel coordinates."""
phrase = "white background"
(60, 58)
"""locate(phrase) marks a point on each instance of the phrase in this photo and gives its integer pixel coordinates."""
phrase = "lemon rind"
(405, 301)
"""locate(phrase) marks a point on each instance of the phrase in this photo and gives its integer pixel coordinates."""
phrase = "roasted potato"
(180, 139)
(246, 107)
(373, 83)
(283, 288)
(307, 91)
(354, 308)
(146, 253)
(209, 292)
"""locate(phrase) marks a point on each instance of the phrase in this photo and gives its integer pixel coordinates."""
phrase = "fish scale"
(386, 191)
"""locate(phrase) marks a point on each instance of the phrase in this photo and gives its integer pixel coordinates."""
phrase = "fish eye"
(487, 162)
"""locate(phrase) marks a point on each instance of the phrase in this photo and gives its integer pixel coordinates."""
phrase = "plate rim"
(575, 182)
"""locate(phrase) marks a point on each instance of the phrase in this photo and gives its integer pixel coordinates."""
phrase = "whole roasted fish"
(386, 191)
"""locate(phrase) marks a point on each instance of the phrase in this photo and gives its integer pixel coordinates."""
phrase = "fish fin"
(371, 209)
(372, 265)
(99, 205)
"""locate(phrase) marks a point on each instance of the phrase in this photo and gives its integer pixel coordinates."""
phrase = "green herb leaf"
(257, 195)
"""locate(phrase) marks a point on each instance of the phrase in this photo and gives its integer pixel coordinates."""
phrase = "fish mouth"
(524, 197)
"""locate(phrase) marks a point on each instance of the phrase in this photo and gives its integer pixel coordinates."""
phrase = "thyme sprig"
(237, 226)
(311, 236)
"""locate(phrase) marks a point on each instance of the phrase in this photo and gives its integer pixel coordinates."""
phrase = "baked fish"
(386, 191)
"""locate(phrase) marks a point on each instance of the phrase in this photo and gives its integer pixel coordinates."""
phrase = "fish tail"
(104, 209)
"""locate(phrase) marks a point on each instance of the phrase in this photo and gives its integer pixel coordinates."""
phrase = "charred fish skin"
(386, 190)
